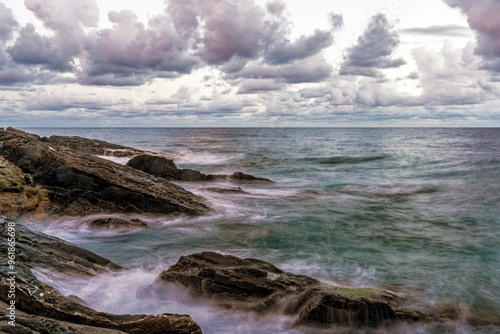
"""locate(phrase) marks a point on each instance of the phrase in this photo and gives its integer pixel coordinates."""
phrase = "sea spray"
(423, 216)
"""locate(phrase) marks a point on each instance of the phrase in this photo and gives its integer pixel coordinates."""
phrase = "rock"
(117, 223)
(18, 194)
(44, 251)
(194, 175)
(155, 165)
(233, 190)
(77, 183)
(166, 168)
(260, 287)
(246, 177)
(33, 324)
(42, 309)
(92, 146)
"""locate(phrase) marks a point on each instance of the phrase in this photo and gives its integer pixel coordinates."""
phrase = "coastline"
(35, 173)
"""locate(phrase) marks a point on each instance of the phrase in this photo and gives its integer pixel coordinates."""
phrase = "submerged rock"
(259, 286)
(76, 183)
(42, 309)
(246, 177)
(117, 223)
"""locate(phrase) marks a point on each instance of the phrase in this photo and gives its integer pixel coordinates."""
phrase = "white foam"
(116, 293)
(119, 160)
(203, 158)
(275, 192)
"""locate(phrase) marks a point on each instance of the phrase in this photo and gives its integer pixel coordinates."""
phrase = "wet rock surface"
(232, 190)
(42, 309)
(260, 287)
(166, 168)
(118, 224)
(71, 182)
(92, 146)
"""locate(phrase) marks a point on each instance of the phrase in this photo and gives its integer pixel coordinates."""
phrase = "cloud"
(7, 23)
(448, 30)
(312, 69)
(304, 47)
(482, 16)
(336, 21)
(131, 54)
(67, 19)
(252, 86)
(373, 50)
(189, 34)
(10, 73)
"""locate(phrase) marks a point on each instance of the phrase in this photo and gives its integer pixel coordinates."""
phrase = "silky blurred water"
(414, 210)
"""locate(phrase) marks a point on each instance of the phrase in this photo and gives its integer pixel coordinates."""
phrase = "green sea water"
(412, 210)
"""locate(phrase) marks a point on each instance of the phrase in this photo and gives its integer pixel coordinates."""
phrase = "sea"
(415, 211)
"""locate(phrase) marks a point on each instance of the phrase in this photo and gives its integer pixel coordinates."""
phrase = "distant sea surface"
(412, 210)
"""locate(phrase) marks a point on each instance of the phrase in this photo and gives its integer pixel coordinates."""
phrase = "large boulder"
(78, 183)
(155, 165)
(42, 309)
(260, 287)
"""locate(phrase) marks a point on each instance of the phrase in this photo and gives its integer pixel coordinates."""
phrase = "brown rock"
(155, 165)
(77, 183)
(258, 286)
(92, 146)
(42, 309)
(117, 223)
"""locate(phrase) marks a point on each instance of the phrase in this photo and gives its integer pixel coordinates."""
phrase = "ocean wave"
(346, 159)
(187, 156)
(389, 191)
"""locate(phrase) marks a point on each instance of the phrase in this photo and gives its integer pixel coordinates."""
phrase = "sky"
(225, 63)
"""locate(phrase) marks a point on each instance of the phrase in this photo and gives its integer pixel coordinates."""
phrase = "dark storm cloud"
(373, 50)
(449, 30)
(483, 16)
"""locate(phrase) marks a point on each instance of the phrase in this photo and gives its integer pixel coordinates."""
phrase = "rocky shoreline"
(63, 176)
